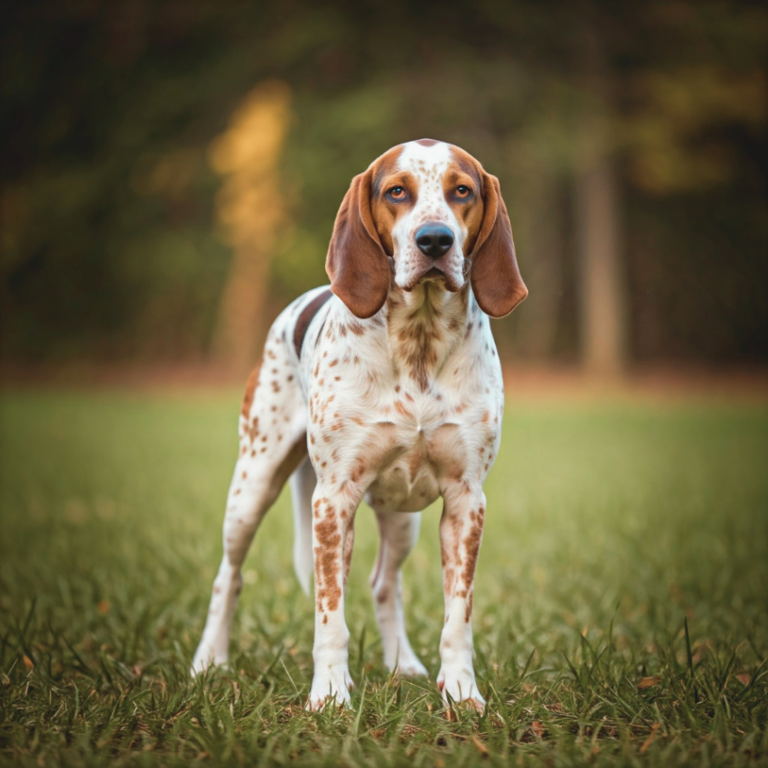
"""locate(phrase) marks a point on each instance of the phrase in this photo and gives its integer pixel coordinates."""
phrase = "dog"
(385, 386)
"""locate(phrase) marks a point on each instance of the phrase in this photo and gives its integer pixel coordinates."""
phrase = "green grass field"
(609, 524)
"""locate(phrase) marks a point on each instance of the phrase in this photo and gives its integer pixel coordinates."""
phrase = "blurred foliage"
(113, 113)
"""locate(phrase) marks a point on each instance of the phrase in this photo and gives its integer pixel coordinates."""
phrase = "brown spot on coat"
(357, 470)
(328, 537)
(472, 548)
(250, 388)
(468, 608)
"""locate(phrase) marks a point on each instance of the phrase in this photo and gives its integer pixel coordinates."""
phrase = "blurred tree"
(250, 208)
(602, 294)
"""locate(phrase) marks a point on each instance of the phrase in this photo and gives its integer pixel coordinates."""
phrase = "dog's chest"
(426, 445)
(403, 431)
(408, 477)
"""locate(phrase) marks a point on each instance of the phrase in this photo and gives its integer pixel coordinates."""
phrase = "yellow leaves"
(103, 607)
(256, 132)
(28, 663)
(250, 204)
(250, 208)
(649, 682)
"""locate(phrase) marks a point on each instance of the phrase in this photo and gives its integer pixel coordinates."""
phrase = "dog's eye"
(397, 193)
(462, 191)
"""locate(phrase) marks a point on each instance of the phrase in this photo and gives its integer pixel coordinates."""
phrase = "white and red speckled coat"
(386, 387)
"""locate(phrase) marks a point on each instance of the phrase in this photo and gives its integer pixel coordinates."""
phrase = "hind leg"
(399, 532)
(272, 444)
(303, 482)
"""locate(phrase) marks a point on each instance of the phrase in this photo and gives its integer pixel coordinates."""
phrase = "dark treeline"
(171, 171)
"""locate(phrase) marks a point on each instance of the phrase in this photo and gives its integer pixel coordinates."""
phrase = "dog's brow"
(416, 155)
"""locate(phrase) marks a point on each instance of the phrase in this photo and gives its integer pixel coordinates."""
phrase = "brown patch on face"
(465, 170)
(385, 211)
(427, 142)
(250, 388)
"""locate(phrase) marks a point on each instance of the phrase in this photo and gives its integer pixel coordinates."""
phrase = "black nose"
(434, 239)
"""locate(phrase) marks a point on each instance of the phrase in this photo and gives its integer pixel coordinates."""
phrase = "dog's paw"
(205, 658)
(410, 666)
(330, 687)
(461, 688)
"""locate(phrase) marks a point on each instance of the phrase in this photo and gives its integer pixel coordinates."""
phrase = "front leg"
(461, 530)
(332, 536)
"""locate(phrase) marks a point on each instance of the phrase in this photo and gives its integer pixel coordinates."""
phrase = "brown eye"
(462, 191)
(397, 193)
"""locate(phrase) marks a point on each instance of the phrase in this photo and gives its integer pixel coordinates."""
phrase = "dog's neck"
(425, 325)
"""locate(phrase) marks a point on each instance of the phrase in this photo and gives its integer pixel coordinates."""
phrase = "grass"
(621, 606)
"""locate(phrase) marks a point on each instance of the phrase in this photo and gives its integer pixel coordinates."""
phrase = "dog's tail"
(303, 482)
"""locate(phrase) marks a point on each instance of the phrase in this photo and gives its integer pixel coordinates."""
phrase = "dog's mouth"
(434, 275)
(446, 279)
(431, 275)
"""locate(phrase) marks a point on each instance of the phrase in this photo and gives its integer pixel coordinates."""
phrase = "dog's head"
(424, 211)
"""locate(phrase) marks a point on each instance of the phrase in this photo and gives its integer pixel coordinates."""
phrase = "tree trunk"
(602, 295)
(238, 330)
(250, 212)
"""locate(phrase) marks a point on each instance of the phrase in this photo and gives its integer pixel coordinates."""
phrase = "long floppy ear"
(356, 263)
(494, 273)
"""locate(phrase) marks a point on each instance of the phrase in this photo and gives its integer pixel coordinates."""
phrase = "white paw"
(205, 658)
(330, 686)
(461, 687)
(408, 665)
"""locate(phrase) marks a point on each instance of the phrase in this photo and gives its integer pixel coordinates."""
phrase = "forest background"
(171, 171)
